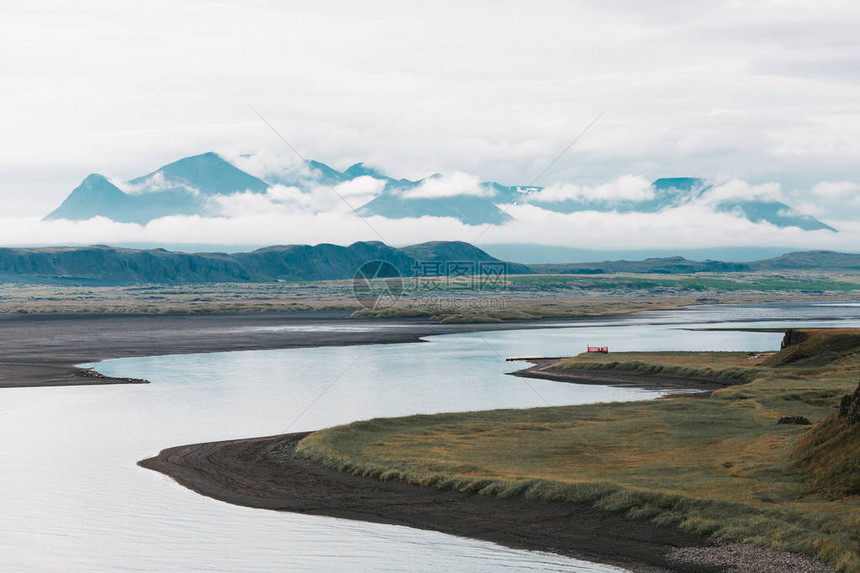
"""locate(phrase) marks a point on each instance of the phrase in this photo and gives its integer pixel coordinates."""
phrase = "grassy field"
(444, 306)
(526, 297)
(720, 466)
(162, 299)
(788, 281)
(518, 297)
(492, 309)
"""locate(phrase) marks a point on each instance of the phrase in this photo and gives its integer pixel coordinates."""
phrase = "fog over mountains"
(185, 187)
(208, 185)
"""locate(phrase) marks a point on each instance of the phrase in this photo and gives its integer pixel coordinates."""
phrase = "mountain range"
(677, 191)
(101, 265)
(193, 185)
(184, 187)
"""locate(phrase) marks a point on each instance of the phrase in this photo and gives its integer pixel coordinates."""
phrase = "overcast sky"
(765, 92)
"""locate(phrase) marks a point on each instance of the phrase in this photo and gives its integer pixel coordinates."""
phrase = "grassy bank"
(729, 367)
(720, 466)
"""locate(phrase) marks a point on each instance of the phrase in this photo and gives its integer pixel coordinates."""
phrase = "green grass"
(720, 466)
(730, 367)
(830, 457)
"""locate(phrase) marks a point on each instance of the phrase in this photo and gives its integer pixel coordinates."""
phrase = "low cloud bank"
(281, 217)
(624, 188)
(447, 186)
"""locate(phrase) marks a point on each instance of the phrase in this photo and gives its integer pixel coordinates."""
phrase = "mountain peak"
(95, 179)
(208, 173)
(361, 170)
(330, 175)
(681, 183)
(95, 196)
(673, 192)
(97, 185)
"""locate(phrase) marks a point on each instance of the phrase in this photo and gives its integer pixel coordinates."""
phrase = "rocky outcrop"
(849, 408)
(797, 420)
(827, 454)
(793, 337)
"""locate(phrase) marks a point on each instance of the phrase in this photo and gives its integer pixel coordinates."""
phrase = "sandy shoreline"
(262, 473)
(43, 350)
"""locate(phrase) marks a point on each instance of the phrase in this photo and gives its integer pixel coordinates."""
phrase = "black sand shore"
(263, 473)
(42, 350)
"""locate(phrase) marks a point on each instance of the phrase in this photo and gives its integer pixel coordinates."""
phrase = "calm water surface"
(72, 498)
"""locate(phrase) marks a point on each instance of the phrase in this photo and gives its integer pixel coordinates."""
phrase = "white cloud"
(280, 199)
(272, 165)
(688, 226)
(360, 187)
(246, 204)
(278, 194)
(626, 187)
(810, 208)
(155, 183)
(447, 186)
(736, 189)
(288, 215)
(837, 190)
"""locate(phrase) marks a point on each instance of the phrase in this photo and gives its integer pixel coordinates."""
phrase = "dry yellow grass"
(697, 360)
(720, 466)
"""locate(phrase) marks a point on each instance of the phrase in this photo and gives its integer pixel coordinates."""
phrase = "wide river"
(72, 498)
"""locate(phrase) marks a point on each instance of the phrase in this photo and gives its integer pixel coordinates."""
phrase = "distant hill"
(453, 251)
(106, 266)
(812, 260)
(554, 254)
(805, 260)
(665, 265)
(191, 186)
